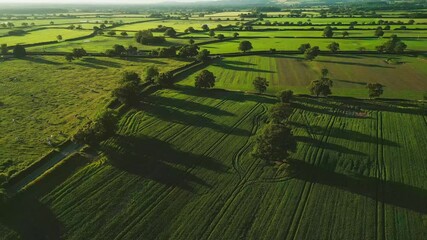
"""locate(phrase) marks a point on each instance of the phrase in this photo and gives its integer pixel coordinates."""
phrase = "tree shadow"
(144, 60)
(103, 63)
(41, 60)
(327, 145)
(354, 63)
(30, 218)
(240, 63)
(89, 65)
(351, 82)
(393, 193)
(169, 113)
(345, 134)
(159, 161)
(225, 94)
(187, 105)
(231, 66)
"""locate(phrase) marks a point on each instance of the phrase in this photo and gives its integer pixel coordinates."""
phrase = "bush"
(19, 51)
(103, 127)
(285, 96)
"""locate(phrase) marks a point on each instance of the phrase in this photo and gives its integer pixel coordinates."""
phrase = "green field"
(350, 74)
(183, 157)
(178, 25)
(48, 99)
(44, 35)
(350, 44)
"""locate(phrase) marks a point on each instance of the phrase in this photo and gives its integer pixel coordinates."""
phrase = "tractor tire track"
(237, 156)
(170, 190)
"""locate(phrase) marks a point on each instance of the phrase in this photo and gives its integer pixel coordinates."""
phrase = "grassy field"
(44, 35)
(183, 157)
(350, 74)
(46, 98)
(178, 25)
(342, 20)
(265, 44)
(99, 44)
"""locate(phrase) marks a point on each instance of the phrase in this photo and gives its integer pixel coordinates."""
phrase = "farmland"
(43, 101)
(107, 135)
(403, 80)
(147, 180)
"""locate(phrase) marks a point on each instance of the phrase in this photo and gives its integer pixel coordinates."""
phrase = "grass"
(350, 74)
(47, 98)
(180, 168)
(343, 20)
(44, 35)
(265, 44)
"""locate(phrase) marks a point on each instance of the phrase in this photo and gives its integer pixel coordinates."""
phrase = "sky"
(97, 1)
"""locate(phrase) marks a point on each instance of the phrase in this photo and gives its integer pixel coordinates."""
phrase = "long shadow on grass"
(89, 65)
(328, 105)
(345, 134)
(328, 146)
(393, 193)
(175, 115)
(29, 218)
(159, 161)
(143, 60)
(187, 105)
(100, 62)
(354, 63)
(351, 82)
(41, 60)
(225, 94)
(229, 65)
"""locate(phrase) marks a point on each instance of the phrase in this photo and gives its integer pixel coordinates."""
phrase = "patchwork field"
(265, 44)
(184, 156)
(44, 35)
(350, 74)
(45, 100)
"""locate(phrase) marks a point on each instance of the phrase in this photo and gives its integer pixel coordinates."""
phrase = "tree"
(379, 32)
(279, 112)
(345, 34)
(311, 53)
(191, 41)
(3, 49)
(260, 84)
(235, 35)
(59, 37)
(303, 47)
(394, 45)
(324, 73)
(221, 37)
(205, 79)
(170, 32)
(124, 34)
(111, 33)
(245, 46)
(151, 73)
(205, 27)
(274, 143)
(69, 57)
(19, 51)
(131, 77)
(165, 79)
(334, 47)
(327, 32)
(321, 87)
(211, 33)
(79, 52)
(103, 127)
(375, 89)
(203, 56)
(285, 96)
(188, 51)
(129, 88)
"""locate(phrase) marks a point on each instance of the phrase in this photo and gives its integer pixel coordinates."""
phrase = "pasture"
(46, 99)
(44, 35)
(350, 74)
(184, 156)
